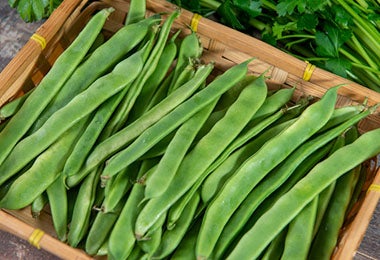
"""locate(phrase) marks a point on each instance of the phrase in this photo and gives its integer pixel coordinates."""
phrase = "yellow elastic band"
(308, 71)
(39, 39)
(35, 237)
(195, 21)
(374, 187)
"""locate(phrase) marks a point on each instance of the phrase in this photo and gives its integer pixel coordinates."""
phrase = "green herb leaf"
(325, 48)
(338, 66)
(252, 8)
(228, 15)
(307, 22)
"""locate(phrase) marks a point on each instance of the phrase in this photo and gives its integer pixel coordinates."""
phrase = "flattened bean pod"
(175, 118)
(50, 85)
(269, 156)
(205, 152)
(81, 106)
(300, 233)
(102, 60)
(57, 195)
(160, 180)
(45, 170)
(286, 208)
(120, 139)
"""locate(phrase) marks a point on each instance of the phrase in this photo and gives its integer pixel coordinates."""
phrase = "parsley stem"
(364, 26)
(212, 4)
(354, 43)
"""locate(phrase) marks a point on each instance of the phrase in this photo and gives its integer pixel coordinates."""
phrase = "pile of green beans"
(142, 153)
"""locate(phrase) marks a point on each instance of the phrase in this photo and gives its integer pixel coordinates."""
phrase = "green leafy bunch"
(341, 36)
(34, 10)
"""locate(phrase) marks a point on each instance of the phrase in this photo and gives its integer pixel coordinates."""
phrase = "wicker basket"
(222, 45)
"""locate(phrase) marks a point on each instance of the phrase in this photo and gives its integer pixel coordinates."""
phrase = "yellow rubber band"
(374, 187)
(35, 237)
(195, 21)
(308, 71)
(39, 39)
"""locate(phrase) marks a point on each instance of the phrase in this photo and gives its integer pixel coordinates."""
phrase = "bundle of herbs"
(341, 36)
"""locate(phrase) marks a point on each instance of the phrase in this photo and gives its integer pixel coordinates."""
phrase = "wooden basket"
(224, 46)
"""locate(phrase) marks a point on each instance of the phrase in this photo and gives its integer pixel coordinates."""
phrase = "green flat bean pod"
(81, 106)
(57, 196)
(101, 61)
(269, 156)
(45, 170)
(120, 139)
(205, 151)
(286, 208)
(172, 120)
(50, 85)
(300, 233)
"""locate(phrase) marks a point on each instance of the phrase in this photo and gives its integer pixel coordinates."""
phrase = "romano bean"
(84, 203)
(325, 195)
(99, 63)
(155, 80)
(190, 48)
(45, 170)
(120, 139)
(216, 179)
(149, 67)
(175, 118)
(57, 195)
(81, 106)
(100, 229)
(300, 233)
(120, 115)
(122, 239)
(160, 180)
(205, 151)
(150, 243)
(277, 177)
(185, 250)
(276, 247)
(12, 107)
(333, 218)
(122, 183)
(172, 238)
(136, 11)
(274, 103)
(49, 86)
(269, 156)
(38, 205)
(291, 203)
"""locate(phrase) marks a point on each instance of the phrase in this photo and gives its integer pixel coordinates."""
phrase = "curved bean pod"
(269, 156)
(284, 210)
(172, 120)
(172, 238)
(102, 60)
(300, 233)
(136, 11)
(38, 205)
(160, 180)
(115, 142)
(205, 151)
(277, 177)
(57, 195)
(50, 85)
(216, 179)
(45, 170)
(82, 105)
(83, 206)
(12, 107)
